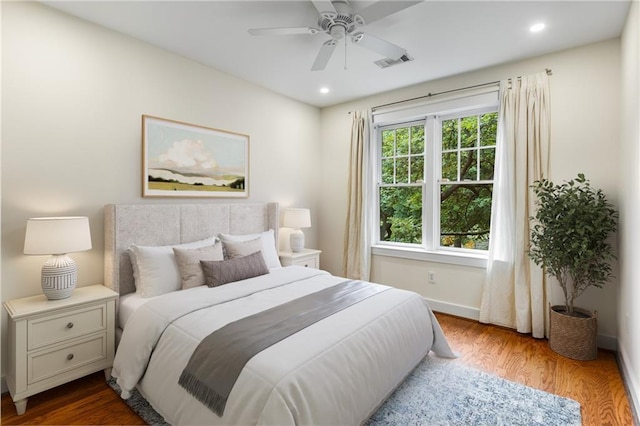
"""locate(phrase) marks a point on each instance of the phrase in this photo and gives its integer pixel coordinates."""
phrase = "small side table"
(52, 342)
(308, 258)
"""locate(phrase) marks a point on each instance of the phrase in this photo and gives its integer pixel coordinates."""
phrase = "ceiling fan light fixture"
(338, 32)
(339, 20)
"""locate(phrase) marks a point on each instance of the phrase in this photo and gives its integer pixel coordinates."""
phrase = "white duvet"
(335, 372)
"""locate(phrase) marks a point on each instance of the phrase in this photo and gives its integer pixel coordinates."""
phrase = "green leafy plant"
(569, 237)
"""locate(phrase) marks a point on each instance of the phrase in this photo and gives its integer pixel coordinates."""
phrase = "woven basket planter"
(573, 336)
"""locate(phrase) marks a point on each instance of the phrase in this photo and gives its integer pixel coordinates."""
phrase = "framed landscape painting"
(187, 160)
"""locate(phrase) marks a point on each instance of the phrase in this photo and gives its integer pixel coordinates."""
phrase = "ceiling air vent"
(387, 62)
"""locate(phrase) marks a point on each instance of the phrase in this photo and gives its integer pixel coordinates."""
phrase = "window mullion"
(395, 157)
(378, 176)
(459, 153)
(478, 147)
(432, 173)
(409, 157)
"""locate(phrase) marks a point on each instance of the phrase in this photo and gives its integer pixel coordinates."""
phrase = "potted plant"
(569, 239)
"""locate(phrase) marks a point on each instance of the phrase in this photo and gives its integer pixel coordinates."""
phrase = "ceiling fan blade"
(283, 31)
(324, 6)
(326, 50)
(378, 45)
(383, 9)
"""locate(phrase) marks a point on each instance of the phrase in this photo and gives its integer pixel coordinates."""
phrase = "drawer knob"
(70, 357)
(70, 325)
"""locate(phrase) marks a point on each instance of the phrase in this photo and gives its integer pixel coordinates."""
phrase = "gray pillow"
(239, 268)
(234, 249)
(188, 261)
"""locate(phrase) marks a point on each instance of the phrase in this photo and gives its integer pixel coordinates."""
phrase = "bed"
(336, 370)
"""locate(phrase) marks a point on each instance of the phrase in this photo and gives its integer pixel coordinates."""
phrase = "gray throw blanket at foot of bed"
(218, 360)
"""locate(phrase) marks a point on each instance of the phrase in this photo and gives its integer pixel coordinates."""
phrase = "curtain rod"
(428, 95)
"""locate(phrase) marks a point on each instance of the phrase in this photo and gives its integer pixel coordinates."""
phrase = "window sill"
(450, 257)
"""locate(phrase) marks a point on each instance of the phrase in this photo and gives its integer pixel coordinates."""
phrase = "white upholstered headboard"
(167, 224)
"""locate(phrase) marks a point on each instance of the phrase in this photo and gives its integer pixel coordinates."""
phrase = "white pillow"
(155, 269)
(268, 245)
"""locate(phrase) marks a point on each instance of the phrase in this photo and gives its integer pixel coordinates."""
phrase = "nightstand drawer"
(308, 263)
(307, 258)
(45, 364)
(68, 325)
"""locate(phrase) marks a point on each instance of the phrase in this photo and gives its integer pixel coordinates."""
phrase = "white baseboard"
(632, 385)
(607, 342)
(453, 309)
(604, 341)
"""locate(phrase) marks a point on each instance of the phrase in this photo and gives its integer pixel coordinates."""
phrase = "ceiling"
(443, 37)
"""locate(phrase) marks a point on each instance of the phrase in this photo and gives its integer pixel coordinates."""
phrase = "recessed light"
(324, 90)
(536, 28)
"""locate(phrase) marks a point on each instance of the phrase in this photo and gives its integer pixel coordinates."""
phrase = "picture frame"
(187, 160)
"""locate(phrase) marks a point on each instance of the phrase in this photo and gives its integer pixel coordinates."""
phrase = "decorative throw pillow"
(189, 263)
(269, 251)
(155, 270)
(240, 268)
(242, 248)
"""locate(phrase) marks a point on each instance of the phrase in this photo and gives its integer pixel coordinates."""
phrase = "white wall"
(629, 300)
(72, 100)
(585, 110)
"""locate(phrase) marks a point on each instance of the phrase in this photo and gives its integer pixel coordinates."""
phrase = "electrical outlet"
(432, 277)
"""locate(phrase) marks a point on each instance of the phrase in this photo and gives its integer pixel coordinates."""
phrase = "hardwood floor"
(86, 401)
(597, 384)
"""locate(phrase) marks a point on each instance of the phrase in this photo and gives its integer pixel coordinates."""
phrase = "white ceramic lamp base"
(59, 277)
(297, 241)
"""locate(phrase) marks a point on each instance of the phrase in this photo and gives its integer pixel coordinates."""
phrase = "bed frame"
(167, 224)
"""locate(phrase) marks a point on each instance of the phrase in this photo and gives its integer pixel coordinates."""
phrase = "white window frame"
(431, 114)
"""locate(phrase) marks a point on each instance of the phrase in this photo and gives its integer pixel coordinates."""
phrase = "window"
(468, 152)
(435, 181)
(402, 180)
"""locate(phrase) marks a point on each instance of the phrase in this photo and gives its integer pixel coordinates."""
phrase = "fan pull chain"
(345, 53)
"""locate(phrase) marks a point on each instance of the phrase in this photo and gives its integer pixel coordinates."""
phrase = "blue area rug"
(441, 392)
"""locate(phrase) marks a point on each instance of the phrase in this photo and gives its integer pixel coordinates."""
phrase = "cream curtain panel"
(514, 290)
(357, 244)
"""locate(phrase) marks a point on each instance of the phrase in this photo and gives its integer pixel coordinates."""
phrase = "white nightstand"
(52, 342)
(307, 257)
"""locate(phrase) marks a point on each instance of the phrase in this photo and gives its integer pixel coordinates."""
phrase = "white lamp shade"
(297, 218)
(57, 235)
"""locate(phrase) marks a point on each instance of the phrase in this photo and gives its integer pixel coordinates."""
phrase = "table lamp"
(296, 219)
(57, 236)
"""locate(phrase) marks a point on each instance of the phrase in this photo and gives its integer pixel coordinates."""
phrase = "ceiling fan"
(339, 20)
